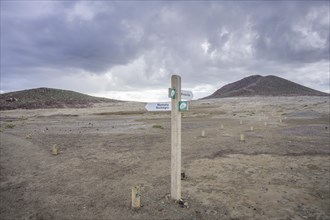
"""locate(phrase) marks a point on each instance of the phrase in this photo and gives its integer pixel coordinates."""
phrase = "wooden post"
(242, 137)
(240, 122)
(136, 197)
(55, 149)
(251, 128)
(221, 126)
(203, 133)
(176, 140)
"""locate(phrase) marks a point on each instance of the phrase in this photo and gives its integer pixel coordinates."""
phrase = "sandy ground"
(280, 171)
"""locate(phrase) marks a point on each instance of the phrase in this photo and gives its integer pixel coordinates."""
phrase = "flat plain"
(280, 170)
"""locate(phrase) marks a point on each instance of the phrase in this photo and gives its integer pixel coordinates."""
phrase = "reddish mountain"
(257, 85)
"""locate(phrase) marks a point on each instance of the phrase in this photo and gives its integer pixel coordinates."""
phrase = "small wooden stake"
(265, 123)
(242, 137)
(55, 150)
(251, 128)
(221, 126)
(136, 197)
(280, 120)
(240, 122)
(203, 133)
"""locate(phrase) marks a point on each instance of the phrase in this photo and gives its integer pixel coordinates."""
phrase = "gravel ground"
(280, 170)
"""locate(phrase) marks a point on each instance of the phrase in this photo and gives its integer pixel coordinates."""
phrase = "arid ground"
(280, 171)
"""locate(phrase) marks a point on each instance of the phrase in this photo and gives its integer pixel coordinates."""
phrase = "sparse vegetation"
(158, 126)
(10, 125)
(121, 113)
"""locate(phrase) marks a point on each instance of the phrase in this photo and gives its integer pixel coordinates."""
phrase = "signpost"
(176, 106)
(176, 140)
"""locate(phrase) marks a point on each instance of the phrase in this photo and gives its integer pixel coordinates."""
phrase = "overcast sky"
(129, 50)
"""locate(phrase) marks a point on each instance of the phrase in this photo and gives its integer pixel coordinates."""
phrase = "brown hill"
(257, 85)
(47, 98)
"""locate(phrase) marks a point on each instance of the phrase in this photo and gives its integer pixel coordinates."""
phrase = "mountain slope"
(47, 98)
(257, 85)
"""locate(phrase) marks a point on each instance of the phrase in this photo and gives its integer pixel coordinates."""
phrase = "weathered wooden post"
(242, 137)
(176, 139)
(136, 197)
(176, 106)
(55, 150)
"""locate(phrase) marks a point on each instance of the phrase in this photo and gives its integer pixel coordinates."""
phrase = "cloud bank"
(128, 50)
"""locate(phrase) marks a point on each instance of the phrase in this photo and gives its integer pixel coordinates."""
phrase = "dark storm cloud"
(58, 40)
(130, 45)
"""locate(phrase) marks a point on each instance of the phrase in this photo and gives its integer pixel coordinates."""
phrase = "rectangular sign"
(171, 93)
(183, 106)
(158, 106)
(187, 95)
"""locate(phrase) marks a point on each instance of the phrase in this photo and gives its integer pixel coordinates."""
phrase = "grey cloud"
(165, 37)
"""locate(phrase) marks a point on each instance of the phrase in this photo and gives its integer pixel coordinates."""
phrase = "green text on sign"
(183, 106)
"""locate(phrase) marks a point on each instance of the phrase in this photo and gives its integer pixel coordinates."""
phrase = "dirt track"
(281, 171)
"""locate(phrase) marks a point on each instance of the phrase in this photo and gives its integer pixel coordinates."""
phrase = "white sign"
(187, 95)
(158, 106)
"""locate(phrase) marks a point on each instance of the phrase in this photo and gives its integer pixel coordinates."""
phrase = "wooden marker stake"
(242, 137)
(203, 133)
(55, 149)
(136, 203)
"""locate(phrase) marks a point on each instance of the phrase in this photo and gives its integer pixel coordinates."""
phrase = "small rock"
(183, 176)
(181, 203)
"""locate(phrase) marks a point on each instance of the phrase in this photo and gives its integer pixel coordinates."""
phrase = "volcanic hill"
(257, 85)
(47, 98)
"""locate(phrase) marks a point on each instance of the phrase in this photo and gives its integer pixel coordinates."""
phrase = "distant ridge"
(257, 85)
(47, 98)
